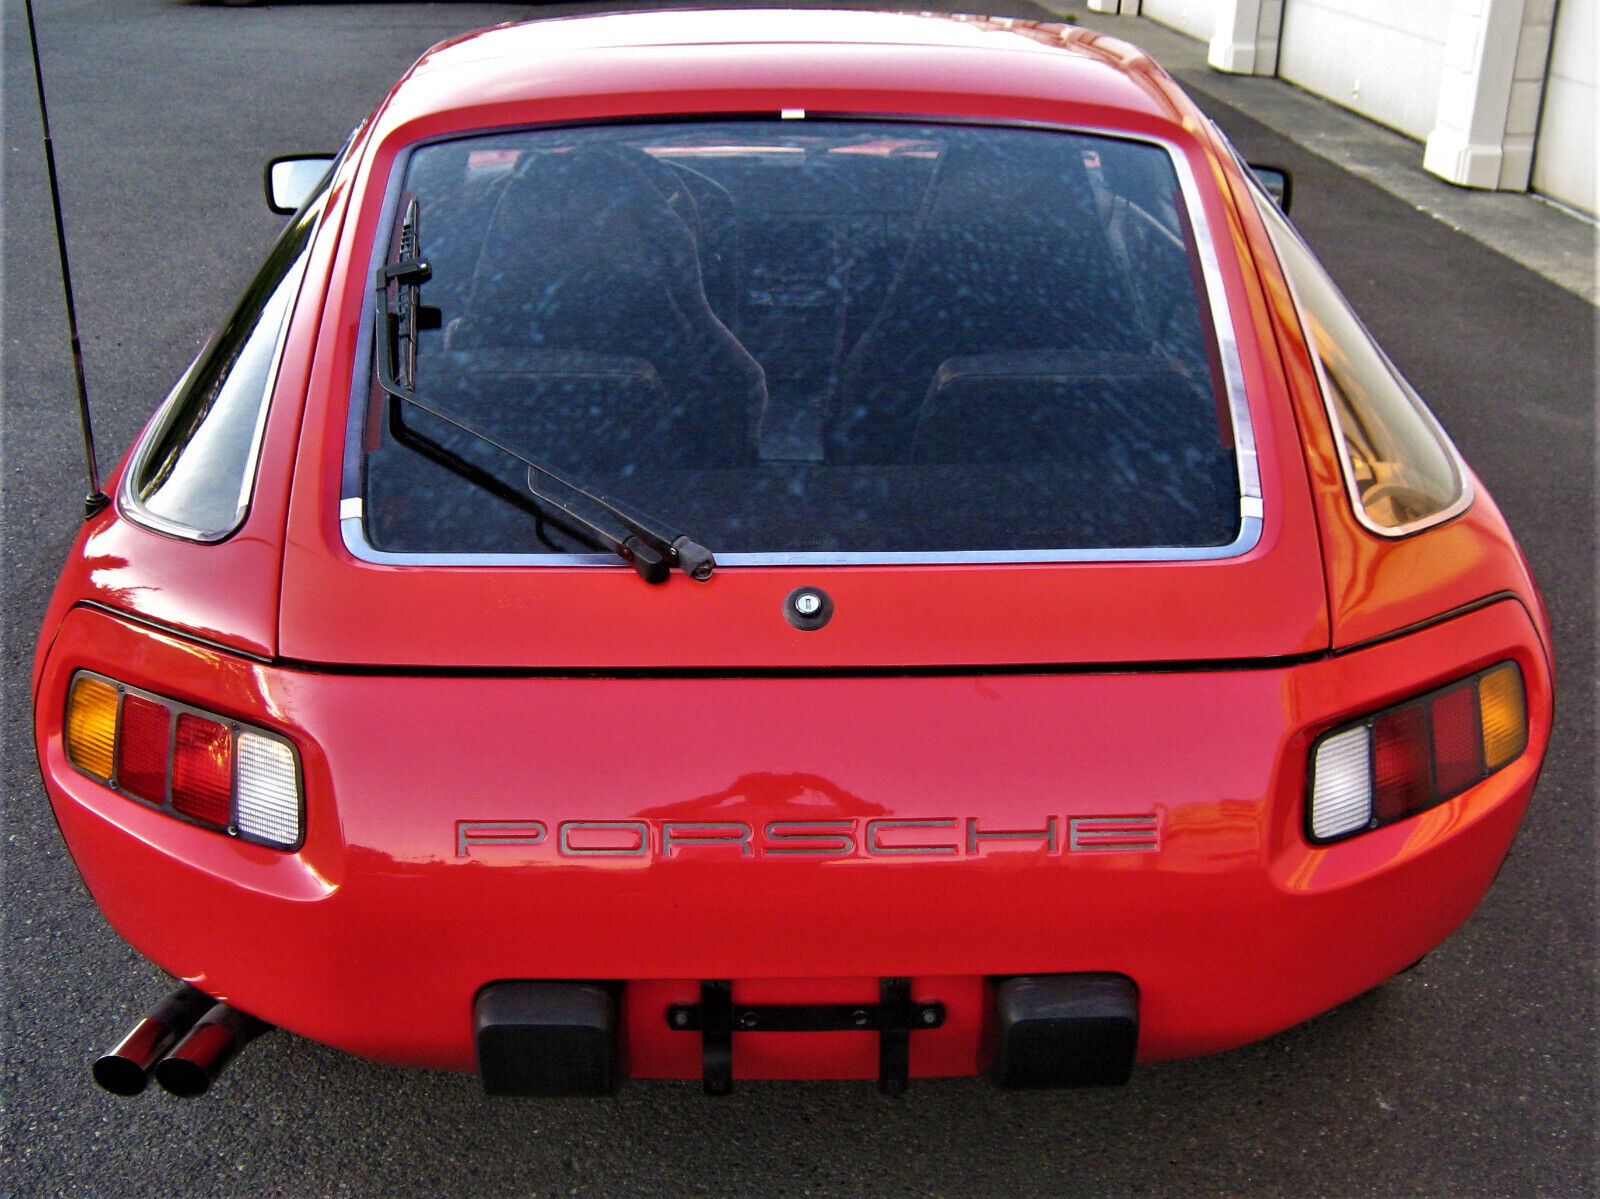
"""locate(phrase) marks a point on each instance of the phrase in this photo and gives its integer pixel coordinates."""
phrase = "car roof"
(633, 54)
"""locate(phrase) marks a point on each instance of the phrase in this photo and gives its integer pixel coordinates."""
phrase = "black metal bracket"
(716, 1018)
(407, 270)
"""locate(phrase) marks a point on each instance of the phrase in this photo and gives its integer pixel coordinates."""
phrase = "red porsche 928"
(784, 544)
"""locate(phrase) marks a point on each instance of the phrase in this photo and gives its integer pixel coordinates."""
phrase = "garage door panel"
(1383, 60)
(1197, 18)
(1564, 165)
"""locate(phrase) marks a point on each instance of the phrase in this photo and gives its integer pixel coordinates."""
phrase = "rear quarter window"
(193, 471)
(1401, 470)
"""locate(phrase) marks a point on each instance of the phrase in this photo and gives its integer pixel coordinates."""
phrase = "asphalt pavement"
(1475, 1074)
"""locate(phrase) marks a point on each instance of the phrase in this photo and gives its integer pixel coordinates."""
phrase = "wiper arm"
(650, 564)
(676, 548)
(650, 546)
(410, 271)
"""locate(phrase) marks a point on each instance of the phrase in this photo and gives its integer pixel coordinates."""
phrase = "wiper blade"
(410, 271)
(652, 567)
(649, 545)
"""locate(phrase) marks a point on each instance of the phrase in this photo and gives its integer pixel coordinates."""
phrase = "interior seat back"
(584, 253)
(1009, 255)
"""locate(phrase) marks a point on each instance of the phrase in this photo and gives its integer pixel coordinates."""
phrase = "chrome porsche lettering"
(832, 838)
(473, 833)
(1114, 832)
(975, 835)
(679, 834)
(936, 836)
(604, 839)
(876, 829)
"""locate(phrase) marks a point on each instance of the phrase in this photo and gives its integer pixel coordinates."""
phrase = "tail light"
(192, 764)
(1414, 756)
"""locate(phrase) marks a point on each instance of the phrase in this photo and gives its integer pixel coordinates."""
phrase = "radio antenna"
(96, 501)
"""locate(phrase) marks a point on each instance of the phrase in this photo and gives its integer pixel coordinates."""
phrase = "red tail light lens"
(1457, 740)
(1414, 756)
(142, 748)
(192, 764)
(1401, 781)
(202, 769)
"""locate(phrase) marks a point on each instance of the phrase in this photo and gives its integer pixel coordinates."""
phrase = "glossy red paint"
(376, 935)
(1377, 584)
(173, 582)
(422, 700)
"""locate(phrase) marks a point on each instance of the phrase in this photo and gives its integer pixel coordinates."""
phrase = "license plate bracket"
(894, 1018)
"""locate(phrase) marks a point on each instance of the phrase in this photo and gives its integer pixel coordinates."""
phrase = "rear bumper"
(803, 837)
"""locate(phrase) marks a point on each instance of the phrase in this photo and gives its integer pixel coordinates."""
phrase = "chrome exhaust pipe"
(210, 1045)
(126, 1069)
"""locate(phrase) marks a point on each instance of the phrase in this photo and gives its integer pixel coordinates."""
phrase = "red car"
(785, 545)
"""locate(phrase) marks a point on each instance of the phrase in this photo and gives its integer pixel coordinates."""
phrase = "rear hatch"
(935, 396)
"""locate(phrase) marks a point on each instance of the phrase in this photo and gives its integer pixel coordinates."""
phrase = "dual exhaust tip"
(185, 1042)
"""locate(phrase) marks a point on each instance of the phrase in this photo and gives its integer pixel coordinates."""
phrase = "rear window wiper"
(649, 545)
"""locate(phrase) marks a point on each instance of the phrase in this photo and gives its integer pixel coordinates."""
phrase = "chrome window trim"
(354, 537)
(128, 502)
(1251, 503)
(1277, 224)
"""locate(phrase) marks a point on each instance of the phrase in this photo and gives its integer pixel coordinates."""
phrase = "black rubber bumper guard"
(894, 1018)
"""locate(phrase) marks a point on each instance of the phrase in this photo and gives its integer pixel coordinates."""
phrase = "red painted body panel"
(376, 935)
(175, 582)
(1377, 584)
(125, 566)
(426, 700)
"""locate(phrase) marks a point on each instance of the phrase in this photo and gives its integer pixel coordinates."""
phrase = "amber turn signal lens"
(1505, 715)
(91, 729)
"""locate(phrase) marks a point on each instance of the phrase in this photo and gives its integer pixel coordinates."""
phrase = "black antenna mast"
(96, 501)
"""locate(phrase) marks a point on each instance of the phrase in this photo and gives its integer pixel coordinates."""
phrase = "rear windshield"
(802, 340)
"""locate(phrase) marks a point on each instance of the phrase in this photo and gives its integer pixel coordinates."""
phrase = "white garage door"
(1378, 57)
(1564, 162)
(1194, 17)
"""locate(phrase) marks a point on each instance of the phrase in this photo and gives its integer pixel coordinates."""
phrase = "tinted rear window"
(809, 338)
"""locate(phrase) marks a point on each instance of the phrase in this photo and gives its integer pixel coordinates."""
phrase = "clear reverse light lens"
(1341, 789)
(268, 800)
